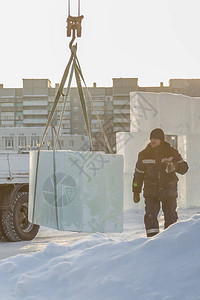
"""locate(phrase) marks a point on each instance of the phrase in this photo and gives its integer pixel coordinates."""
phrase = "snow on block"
(86, 193)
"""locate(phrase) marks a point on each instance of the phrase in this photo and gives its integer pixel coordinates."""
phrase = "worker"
(157, 166)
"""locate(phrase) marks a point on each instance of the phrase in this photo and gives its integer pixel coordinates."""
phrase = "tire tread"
(8, 222)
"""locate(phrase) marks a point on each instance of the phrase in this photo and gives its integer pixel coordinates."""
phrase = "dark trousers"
(152, 208)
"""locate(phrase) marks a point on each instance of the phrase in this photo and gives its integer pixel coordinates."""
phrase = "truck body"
(14, 167)
(14, 189)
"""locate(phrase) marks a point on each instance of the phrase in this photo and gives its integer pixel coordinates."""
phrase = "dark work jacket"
(151, 169)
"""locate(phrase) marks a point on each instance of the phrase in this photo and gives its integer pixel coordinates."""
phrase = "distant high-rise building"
(30, 105)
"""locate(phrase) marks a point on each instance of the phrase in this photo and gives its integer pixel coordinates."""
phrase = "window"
(95, 125)
(60, 144)
(19, 124)
(71, 143)
(7, 104)
(22, 141)
(172, 140)
(19, 104)
(19, 116)
(34, 141)
(9, 143)
(97, 98)
(66, 126)
(7, 115)
(99, 107)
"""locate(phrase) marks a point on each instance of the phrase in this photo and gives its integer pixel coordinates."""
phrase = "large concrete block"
(129, 144)
(171, 112)
(86, 193)
(177, 115)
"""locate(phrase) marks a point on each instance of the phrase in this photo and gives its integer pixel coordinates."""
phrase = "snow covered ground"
(75, 266)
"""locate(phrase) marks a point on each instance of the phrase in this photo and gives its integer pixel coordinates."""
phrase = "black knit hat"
(157, 134)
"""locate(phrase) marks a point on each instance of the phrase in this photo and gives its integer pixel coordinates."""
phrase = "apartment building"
(29, 138)
(29, 107)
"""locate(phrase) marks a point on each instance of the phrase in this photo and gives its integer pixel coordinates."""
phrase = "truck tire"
(3, 237)
(15, 220)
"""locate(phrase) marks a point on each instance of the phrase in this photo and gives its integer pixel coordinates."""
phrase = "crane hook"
(74, 24)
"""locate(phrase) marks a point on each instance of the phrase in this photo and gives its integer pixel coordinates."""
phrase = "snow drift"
(164, 267)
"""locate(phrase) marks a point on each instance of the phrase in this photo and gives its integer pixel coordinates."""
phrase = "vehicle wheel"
(15, 220)
(3, 237)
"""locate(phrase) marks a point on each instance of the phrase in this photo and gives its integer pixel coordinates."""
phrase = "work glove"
(171, 167)
(136, 198)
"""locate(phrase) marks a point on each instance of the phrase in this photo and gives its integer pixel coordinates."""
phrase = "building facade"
(28, 138)
(29, 107)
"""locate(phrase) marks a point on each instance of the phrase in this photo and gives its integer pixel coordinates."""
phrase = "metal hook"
(72, 40)
(74, 24)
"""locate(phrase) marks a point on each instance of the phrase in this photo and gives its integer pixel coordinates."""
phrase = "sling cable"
(74, 30)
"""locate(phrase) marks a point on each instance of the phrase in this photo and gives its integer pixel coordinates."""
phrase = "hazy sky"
(153, 40)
